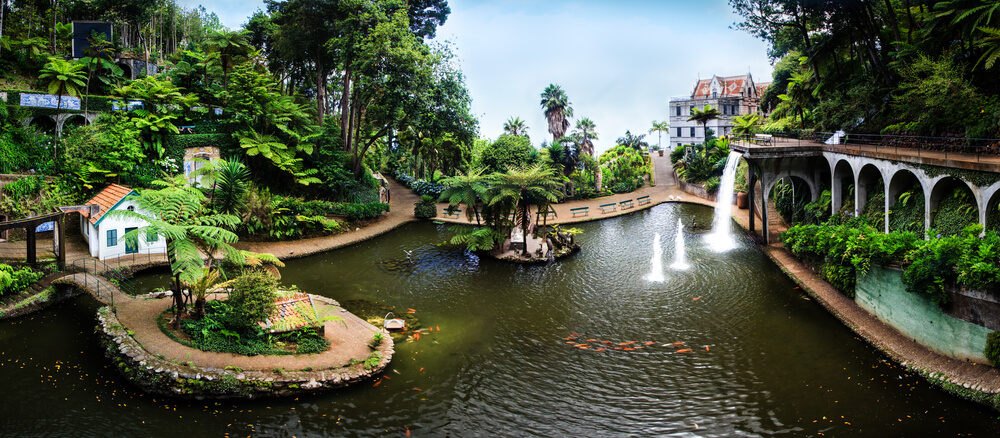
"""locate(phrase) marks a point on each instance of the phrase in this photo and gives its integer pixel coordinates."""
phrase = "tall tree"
(465, 189)
(65, 77)
(703, 116)
(229, 48)
(586, 130)
(659, 128)
(636, 142)
(521, 187)
(557, 111)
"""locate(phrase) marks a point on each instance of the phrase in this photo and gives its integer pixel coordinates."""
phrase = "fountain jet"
(656, 265)
(680, 257)
(721, 239)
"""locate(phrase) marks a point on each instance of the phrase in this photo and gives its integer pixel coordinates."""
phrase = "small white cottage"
(105, 234)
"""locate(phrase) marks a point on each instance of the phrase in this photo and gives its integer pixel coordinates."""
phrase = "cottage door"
(131, 245)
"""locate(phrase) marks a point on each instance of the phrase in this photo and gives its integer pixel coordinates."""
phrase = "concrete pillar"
(885, 205)
(751, 182)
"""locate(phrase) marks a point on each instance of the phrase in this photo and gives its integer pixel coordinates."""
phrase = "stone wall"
(694, 189)
(883, 294)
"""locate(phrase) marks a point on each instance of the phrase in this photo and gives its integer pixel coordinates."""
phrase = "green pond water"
(500, 365)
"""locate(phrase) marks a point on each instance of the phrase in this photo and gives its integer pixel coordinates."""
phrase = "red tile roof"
(761, 86)
(108, 197)
(292, 312)
(731, 86)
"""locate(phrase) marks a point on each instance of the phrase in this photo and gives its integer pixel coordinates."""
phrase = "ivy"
(976, 177)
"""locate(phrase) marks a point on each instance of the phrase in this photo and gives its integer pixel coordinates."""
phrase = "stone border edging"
(157, 375)
(959, 385)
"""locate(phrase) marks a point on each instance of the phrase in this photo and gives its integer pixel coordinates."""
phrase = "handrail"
(977, 147)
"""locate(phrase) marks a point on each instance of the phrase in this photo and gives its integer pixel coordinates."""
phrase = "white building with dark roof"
(731, 95)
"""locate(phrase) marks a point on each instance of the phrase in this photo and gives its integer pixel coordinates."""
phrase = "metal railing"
(923, 146)
(113, 275)
(919, 146)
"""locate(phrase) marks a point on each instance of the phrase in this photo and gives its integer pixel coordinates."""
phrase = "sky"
(619, 62)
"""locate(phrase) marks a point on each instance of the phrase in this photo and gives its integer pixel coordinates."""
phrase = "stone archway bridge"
(898, 168)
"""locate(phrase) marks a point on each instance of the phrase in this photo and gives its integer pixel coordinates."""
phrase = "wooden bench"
(643, 200)
(580, 210)
(547, 215)
(764, 139)
(452, 212)
(609, 207)
(626, 204)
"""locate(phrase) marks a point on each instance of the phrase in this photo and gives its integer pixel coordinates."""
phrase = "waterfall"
(721, 238)
(656, 264)
(680, 257)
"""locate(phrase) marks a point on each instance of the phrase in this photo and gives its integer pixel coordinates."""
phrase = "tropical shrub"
(426, 208)
(15, 280)
(956, 211)
(252, 298)
(992, 349)
(359, 211)
(908, 212)
(220, 331)
(507, 152)
(964, 259)
(623, 168)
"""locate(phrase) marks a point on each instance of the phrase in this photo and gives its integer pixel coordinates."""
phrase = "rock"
(311, 384)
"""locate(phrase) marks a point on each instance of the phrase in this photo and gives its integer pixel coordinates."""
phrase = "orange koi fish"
(579, 345)
(438, 327)
(407, 431)
(706, 348)
(416, 336)
(421, 370)
(593, 340)
(417, 389)
(606, 342)
(628, 349)
(601, 349)
(678, 343)
(377, 383)
(650, 343)
(570, 342)
(686, 350)
(695, 298)
(584, 347)
(627, 343)
(409, 310)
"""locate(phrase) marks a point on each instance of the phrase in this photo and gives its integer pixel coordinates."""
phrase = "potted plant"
(740, 186)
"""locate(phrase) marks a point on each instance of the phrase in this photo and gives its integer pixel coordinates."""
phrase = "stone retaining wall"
(694, 189)
(158, 375)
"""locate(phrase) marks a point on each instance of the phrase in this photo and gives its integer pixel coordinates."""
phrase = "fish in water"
(601, 349)
(593, 340)
(627, 343)
(686, 350)
(678, 343)
(706, 348)
(650, 343)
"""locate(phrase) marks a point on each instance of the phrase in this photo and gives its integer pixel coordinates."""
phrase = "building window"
(112, 238)
(692, 131)
(678, 110)
(679, 134)
(131, 208)
(691, 110)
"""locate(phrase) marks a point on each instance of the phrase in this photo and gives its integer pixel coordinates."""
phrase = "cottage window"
(112, 238)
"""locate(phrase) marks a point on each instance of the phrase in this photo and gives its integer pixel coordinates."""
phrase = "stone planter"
(660, 152)
(742, 200)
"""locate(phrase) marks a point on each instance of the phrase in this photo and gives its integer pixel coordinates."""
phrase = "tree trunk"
(3, 5)
(178, 300)
(320, 91)
(345, 110)
(199, 307)
(52, 31)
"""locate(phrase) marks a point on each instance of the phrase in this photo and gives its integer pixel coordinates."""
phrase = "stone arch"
(942, 190)
(802, 191)
(901, 181)
(842, 172)
(71, 120)
(42, 123)
(126, 70)
(989, 215)
(869, 178)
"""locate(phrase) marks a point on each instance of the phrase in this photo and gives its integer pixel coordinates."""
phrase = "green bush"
(217, 332)
(426, 208)
(13, 281)
(355, 211)
(992, 350)
(956, 211)
(252, 298)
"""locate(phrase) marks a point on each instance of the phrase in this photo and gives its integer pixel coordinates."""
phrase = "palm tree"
(515, 126)
(230, 46)
(517, 188)
(64, 78)
(633, 141)
(659, 128)
(703, 116)
(800, 92)
(193, 237)
(585, 131)
(557, 111)
(465, 189)
(746, 124)
(99, 58)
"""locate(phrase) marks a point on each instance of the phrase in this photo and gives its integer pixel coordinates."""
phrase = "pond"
(764, 359)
